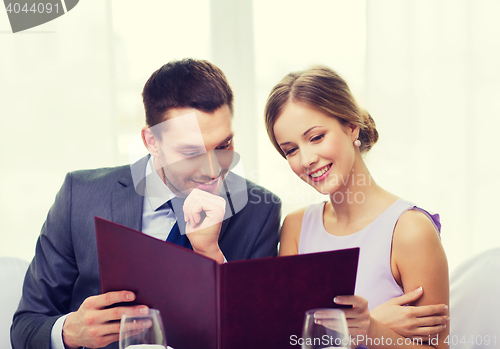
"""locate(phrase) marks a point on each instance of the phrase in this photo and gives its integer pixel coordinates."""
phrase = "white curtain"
(433, 87)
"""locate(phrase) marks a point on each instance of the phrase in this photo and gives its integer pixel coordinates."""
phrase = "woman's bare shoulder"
(415, 227)
(290, 233)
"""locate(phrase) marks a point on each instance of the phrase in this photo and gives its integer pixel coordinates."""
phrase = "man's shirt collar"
(157, 192)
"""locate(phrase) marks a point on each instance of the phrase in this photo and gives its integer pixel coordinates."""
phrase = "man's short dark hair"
(188, 83)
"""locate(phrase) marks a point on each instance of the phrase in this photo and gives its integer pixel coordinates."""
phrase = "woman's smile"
(320, 174)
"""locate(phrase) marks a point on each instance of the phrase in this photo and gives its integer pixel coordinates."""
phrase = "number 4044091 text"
(34, 8)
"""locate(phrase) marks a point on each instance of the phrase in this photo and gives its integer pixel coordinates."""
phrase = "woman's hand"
(358, 317)
(412, 321)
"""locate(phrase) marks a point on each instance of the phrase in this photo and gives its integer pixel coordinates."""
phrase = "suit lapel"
(126, 203)
(236, 196)
(223, 228)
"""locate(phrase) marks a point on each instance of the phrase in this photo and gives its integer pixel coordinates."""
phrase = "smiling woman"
(316, 125)
(324, 137)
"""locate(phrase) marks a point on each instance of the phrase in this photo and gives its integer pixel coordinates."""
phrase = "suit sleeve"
(253, 232)
(49, 281)
(266, 244)
(261, 220)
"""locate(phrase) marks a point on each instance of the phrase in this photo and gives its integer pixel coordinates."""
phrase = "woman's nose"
(308, 157)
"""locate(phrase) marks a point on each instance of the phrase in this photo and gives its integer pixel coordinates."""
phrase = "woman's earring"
(357, 142)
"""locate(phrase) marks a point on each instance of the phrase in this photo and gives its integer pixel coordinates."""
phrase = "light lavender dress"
(374, 280)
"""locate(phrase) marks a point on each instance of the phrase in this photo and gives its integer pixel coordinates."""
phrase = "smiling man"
(189, 148)
(182, 192)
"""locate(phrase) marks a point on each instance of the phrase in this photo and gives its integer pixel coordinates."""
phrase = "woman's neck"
(356, 195)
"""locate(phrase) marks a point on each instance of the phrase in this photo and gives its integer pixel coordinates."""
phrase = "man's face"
(195, 150)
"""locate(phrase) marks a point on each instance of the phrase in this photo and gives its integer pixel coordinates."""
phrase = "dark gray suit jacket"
(65, 271)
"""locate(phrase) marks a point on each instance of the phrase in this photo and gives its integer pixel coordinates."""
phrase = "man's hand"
(204, 213)
(412, 321)
(94, 326)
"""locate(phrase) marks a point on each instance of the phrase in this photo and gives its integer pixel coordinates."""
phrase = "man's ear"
(150, 141)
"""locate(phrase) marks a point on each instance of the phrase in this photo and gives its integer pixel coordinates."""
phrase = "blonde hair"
(321, 88)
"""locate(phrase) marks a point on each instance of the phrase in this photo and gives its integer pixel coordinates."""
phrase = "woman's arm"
(418, 260)
(290, 233)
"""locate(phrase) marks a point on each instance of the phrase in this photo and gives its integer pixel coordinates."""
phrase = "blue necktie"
(175, 235)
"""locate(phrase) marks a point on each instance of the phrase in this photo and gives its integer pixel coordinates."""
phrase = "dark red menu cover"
(257, 303)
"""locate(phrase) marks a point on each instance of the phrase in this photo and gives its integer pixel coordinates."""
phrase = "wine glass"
(142, 331)
(325, 328)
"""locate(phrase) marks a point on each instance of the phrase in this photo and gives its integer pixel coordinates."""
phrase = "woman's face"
(319, 149)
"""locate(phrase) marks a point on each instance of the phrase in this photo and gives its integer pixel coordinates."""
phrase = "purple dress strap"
(434, 217)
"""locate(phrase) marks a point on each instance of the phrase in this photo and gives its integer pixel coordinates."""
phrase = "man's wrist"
(56, 338)
(66, 341)
(216, 256)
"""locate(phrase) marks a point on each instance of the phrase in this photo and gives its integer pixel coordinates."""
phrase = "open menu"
(257, 303)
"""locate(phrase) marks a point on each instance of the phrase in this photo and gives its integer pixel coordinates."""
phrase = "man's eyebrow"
(187, 146)
(229, 138)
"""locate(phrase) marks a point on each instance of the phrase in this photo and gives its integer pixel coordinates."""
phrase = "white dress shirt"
(154, 221)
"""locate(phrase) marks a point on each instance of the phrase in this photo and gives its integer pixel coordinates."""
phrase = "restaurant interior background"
(427, 71)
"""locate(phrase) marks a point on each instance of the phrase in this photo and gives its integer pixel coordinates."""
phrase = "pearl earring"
(357, 142)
